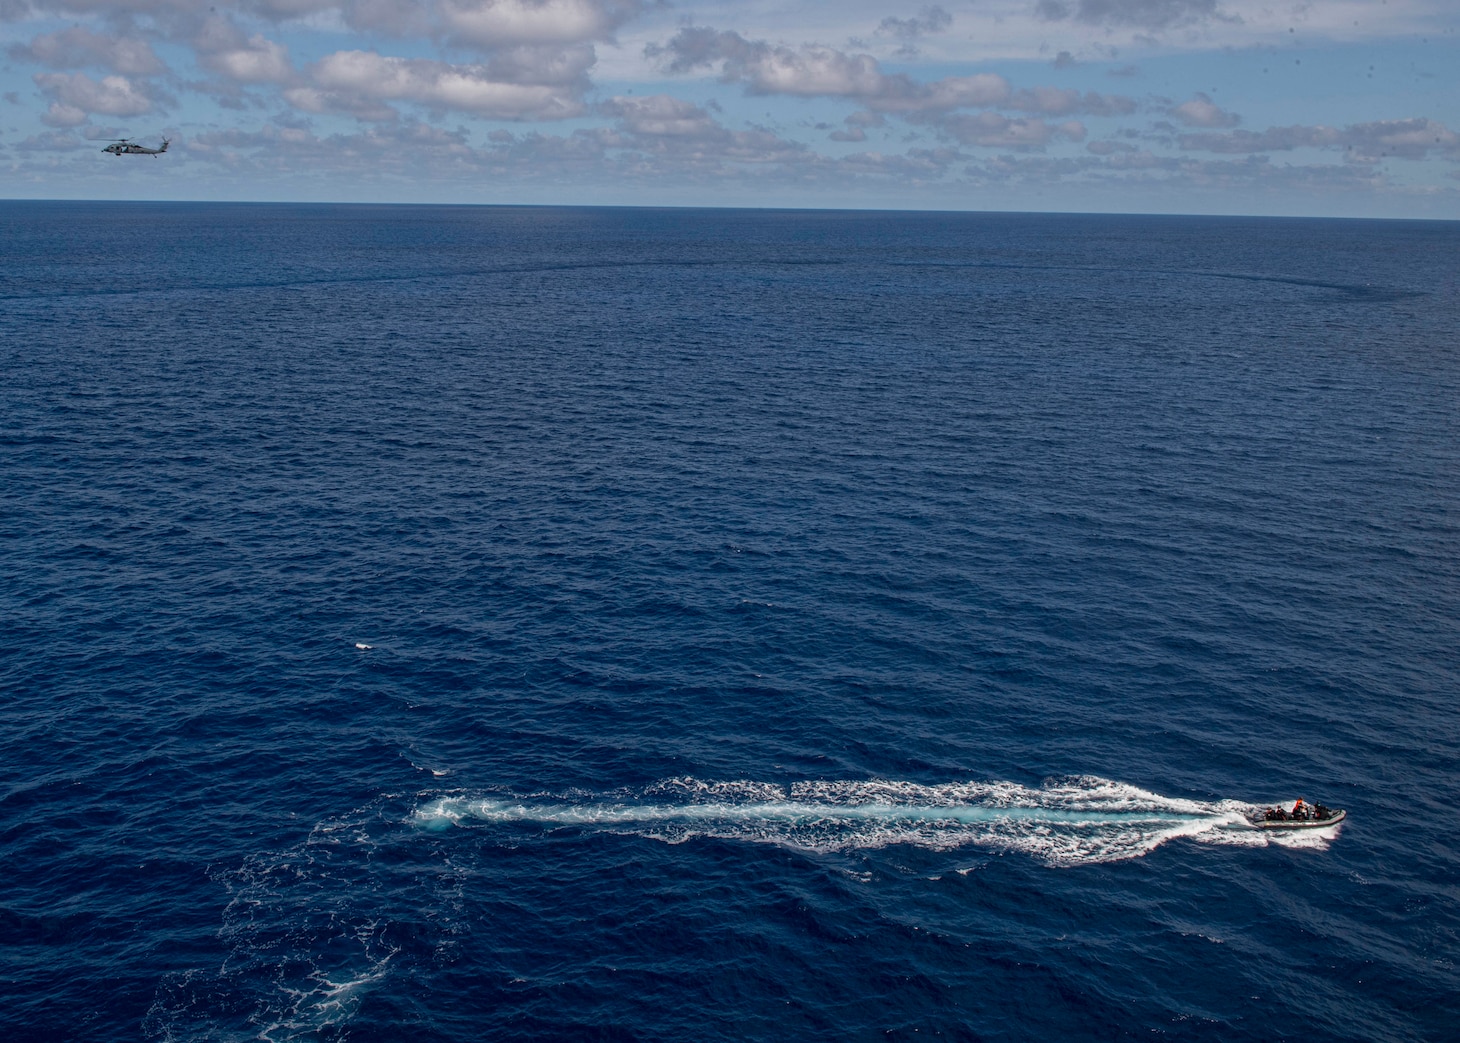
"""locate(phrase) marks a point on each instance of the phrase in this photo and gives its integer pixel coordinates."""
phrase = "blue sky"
(1323, 107)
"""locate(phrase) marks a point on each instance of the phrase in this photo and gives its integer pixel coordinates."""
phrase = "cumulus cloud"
(302, 141)
(394, 151)
(1201, 111)
(488, 22)
(1055, 101)
(811, 70)
(652, 139)
(280, 10)
(115, 11)
(1406, 139)
(223, 48)
(1176, 178)
(899, 94)
(56, 141)
(60, 114)
(76, 95)
(79, 48)
(856, 126)
(534, 55)
(1274, 139)
(989, 129)
(362, 81)
(928, 21)
(817, 71)
(259, 61)
(549, 66)
(661, 116)
(666, 126)
(494, 23)
(532, 42)
(916, 167)
(403, 18)
(1139, 14)
(1403, 139)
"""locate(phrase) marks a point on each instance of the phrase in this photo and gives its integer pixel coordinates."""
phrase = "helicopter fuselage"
(129, 148)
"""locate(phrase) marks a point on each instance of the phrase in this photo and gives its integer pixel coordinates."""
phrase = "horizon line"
(731, 207)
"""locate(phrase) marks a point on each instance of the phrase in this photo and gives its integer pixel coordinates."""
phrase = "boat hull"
(1303, 823)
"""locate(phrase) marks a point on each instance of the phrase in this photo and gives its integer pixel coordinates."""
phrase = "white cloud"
(989, 129)
(224, 49)
(817, 71)
(902, 96)
(548, 65)
(314, 100)
(78, 48)
(1406, 139)
(495, 23)
(928, 21)
(1403, 139)
(280, 10)
(77, 92)
(116, 11)
(398, 150)
(59, 114)
(403, 18)
(342, 79)
(259, 61)
(1143, 14)
(814, 71)
(678, 133)
(1057, 101)
(661, 116)
(811, 70)
(56, 141)
(1201, 111)
(1177, 178)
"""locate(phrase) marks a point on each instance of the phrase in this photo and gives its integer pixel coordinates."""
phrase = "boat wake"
(311, 929)
(1064, 822)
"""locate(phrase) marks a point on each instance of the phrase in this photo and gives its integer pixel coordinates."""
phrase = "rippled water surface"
(462, 624)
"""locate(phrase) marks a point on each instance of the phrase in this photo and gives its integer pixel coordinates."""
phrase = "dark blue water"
(463, 624)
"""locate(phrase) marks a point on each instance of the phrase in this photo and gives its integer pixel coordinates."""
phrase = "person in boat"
(1301, 811)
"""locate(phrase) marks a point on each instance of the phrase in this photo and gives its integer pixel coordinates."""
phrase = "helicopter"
(128, 147)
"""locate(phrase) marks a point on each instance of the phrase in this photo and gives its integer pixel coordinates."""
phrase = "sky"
(1318, 107)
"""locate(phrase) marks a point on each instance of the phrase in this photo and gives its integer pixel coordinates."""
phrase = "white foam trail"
(324, 1004)
(1064, 822)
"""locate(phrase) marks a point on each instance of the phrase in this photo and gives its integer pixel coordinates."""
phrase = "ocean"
(491, 623)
